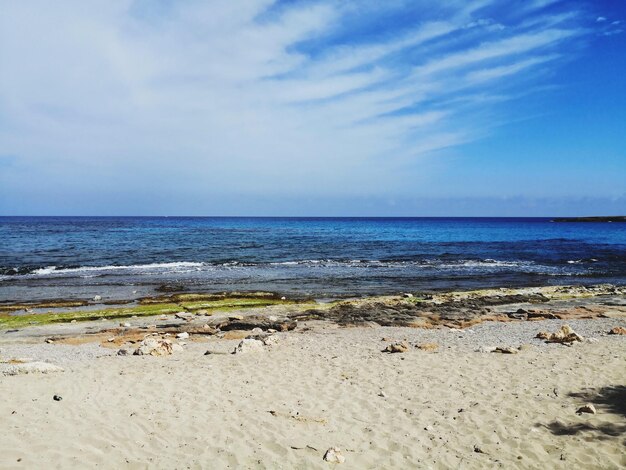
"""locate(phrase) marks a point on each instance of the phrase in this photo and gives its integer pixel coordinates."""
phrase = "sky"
(313, 108)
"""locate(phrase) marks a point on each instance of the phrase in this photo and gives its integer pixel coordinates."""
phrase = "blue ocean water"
(54, 257)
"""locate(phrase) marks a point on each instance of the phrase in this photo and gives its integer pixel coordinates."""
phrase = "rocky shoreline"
(494, 378)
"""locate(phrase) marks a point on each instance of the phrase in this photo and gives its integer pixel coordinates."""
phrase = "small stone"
(123, 352)
(428, 346)
(256, 331)
(49, 341)
(235, 317)
(588, 408)
(32, 368)
(397, 347)
(565, 335)
(407, 296)
(184, 316)
(110, 340)
(57, 398)
(486, 349)
(270, 340)
(73, 321)
(183, 335)
(382, 394)
(154, 346)
(334, 455)
(506, 350)
(125, 325)
(283, 298)
(478, 450)
(177, 348)
(272, 318)
(618, 330)
(249, 345)
(97, 298)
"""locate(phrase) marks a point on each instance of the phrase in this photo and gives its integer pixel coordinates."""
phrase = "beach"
(448, 401)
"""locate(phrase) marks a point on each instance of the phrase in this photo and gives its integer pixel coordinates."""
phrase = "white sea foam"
(52, 270)
(181, 267)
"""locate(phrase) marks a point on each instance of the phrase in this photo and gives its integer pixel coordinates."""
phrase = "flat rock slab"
(32, 368)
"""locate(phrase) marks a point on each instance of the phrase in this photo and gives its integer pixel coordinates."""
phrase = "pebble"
(588, 408)
(57, 398)
(334, 455)
(32, 368)
(397, 347)
(249, 345)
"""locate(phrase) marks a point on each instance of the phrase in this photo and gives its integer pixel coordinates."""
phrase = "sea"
(129, 257)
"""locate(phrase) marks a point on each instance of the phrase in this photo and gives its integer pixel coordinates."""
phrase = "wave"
(55, 270)
(182, 267)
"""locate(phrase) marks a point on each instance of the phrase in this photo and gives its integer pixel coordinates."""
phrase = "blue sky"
(301, 107)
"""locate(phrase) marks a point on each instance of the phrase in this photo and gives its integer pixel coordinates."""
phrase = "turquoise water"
(48, 257)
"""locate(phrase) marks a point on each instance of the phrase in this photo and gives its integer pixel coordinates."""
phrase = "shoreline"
(276, 386)
(465, 304)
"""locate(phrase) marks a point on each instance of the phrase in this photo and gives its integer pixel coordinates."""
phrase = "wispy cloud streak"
(233, 94)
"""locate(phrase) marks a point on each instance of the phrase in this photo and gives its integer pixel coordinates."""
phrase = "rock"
(397, 347)
(203, 313)
(588, 408)
(249, 345)
(57, 398)
(125, 325)
(478, 450)
(184, 316)
(177, 348)
(270, 340)
(272, 318)
(49, 340)
(256, 331)
(154, 346)
(505, 350)
(428, 346)
(614, 313)
(486, 349)
(183, 335)
(235, 317)
(618, 330)
(32, 368)
(407, 296)
(97, 298)
(209, 352)
(334, 455)
(382, 394)
(283, 298)
(564, 335)
(123, 352)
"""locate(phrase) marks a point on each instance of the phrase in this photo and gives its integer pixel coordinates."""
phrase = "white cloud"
(232, 95)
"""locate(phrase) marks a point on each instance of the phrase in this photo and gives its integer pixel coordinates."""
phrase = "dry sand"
(325, 387)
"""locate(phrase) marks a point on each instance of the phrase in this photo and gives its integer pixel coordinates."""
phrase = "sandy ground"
(322, 387)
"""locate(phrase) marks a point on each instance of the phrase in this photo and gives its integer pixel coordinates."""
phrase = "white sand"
(189, 410)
